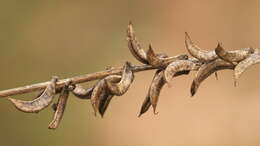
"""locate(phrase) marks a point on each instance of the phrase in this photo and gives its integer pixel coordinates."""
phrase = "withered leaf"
(39, 103)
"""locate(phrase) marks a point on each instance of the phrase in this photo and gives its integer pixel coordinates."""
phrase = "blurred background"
(39, 39)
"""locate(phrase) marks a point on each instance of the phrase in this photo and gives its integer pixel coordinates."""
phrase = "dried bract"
(195, 51)
(178, 66)
(134, 46)
(233, 56)
(161, 62)
(206, 70)
(245, 64)
(60, 107)
(126, 80)
(39, 103)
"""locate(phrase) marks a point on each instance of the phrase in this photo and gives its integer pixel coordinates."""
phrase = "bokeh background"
(39, 39)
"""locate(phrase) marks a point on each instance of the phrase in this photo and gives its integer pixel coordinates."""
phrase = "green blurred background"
(39, 39)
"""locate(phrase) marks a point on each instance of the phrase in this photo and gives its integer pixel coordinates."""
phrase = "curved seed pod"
(195, 51)
(82, 93)
(134, 46)
(245, 64)
(126, 80)
(39, 103)
(206, 70)
(157, 61)
(233, 56)
(177, 66)
(60, 107)
(106, 97)
(154, 91)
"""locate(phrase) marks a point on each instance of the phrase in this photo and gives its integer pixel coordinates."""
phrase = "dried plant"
(116, 81)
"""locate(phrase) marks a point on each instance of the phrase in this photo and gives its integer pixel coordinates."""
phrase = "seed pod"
(177, 66)
(126, 80)
(233, 56)
(82, 93)
(60, 107)
(39, 103)
(195, 51)
(155, 89)
(162, 62)
(134, 46)
(106, 97)
(245, 64)
(206, 70)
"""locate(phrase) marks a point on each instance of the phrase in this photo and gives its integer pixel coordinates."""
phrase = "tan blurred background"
(39, 39)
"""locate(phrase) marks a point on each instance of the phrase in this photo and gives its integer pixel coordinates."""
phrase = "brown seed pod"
(120, 88)
(245, 64)
(39, 103)
(82, 93)
(177, 66)
(134, 46)
(162, 62)
(206, 70)
(154, 90)
(195, 51)
(60, 107)
(233, 56)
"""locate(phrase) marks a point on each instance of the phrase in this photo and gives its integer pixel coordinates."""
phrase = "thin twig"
(75, 80)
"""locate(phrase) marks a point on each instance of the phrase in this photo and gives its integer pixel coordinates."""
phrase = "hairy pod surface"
(120, 88)
(39, 103)
(178, 66)
(233, 56)
(206, 70)
(162, 62)
(60, 108)
(245, 64)
(82, 93)
(134, 46)
(197, 52)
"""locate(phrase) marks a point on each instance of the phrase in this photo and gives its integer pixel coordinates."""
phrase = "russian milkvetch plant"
(114, 82)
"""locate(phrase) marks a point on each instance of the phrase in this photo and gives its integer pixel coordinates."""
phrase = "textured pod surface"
(206, 70)
(39, 103)
(177, 66)
(245, 64)
(125, 82)
(233, 56)
(197, 52)
(97, 93)
(162, 62)
(134, 46)
(60, 108)
(82, 93)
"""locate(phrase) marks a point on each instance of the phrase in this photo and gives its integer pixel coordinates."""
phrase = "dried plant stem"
(75, 80)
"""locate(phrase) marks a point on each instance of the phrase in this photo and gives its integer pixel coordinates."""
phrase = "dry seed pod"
(162, 62)
(195, 51)
(155, 89)
(177, 66)
(39, 103)
(233, 56)
(134, 46)
(245, 64)
(60, 107)
(82, 93)
(206, 70)
(126, 80)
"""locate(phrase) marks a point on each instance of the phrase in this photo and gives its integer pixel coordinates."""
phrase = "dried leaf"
(39, 103)
(206, 70)
(195, 51)
(126, 80)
